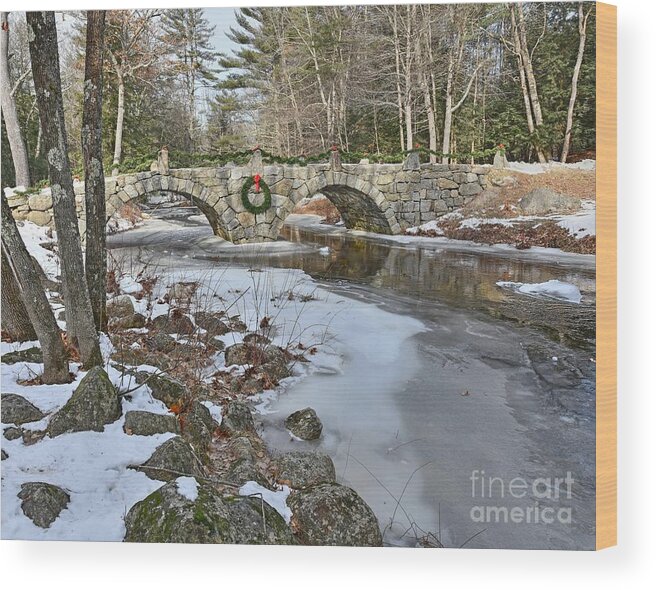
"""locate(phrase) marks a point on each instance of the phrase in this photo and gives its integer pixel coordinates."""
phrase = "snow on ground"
(91, 466)
(582, 223)
(536, 168)
(552, 289)
(35, 235)
(277, 500)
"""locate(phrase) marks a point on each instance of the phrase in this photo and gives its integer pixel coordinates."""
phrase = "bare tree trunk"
(120, 116)
(12, 125)
(47, 83)
(430, 115)
(529, 85)
(15, 321)
(397, 58)
(583, 23)
(448, 114)
(55, 363)
(94, 175)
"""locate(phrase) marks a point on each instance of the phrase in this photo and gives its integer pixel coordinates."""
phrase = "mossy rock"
(304, 424)
(211, 323)
(198, 427)
(27, 355)
(142, 423)
(17, 410)
(172, 459)
(94, 403)
(42, 502)
(164, 388)
(237, 418)
(332, 514)
(168, 516)
(300, 469)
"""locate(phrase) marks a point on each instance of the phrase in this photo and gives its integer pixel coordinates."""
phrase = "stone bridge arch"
(134, 187)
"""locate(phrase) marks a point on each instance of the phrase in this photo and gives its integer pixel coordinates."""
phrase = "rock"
(164, 388)
(300, 469)
(237, 418)
(243, 470)
(137, 356)
(4, 454)
(171, 460)
(120, 307)
(146, 423)
(39, 202)
(243, 448)
(239, 354)
(27, 355)
(175, 323)
(42, 502)
(216, 343)
(256, 339)
(39, 217)
(17, 410)
(183, 291)
(236, 325)
(93, 404)
(212, 323)
(275, 363)
(332, 514)
(168, 516)
(161, 342)
(198, 427)
(136, 320)
(304, 424)
(12, 432)
(470, 189)
(541, 201)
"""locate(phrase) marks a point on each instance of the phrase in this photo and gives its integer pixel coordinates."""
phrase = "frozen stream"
(445, 380)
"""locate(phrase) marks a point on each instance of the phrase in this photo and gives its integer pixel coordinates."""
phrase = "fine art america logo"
(543, 500)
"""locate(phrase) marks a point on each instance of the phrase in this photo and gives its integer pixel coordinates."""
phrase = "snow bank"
(553, 289)
(535, 168)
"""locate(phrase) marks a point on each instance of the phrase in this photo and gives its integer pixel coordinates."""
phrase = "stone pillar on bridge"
(335, 159)
(255, 164)
(412, 161)
(163, 161)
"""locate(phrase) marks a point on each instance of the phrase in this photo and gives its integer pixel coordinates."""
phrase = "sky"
(222, 19)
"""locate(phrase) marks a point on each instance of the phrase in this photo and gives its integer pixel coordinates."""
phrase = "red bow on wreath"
(257, 179)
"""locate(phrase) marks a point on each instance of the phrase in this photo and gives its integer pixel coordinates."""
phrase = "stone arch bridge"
(383, 198)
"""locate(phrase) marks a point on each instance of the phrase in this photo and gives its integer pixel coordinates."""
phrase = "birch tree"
(44, 55)
(9, 113)
(582, 26)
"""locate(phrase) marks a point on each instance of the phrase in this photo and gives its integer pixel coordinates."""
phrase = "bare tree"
(583, 23)
(12, 125)
(55, 363)
(94, 175)
(16, 322)
(45, 72)
(131, 50)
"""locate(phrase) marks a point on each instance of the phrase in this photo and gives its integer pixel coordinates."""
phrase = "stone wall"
(384, 198)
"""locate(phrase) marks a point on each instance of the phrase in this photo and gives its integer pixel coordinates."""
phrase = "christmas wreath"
(259, 183)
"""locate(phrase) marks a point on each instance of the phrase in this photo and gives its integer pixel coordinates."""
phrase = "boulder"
(237, 418)
(164, 388)
(332, 514)
(137, 356)
(4, 455)
(211, 322)
(541, 201)
(171, 460)
(147, 424)
(239, 354)
(94, 403)
(160, 342)
(256, 339)
(17, 410)
(275, 363)
(300, 469)
(12, 432)
(183, 291)
(42, 502)
(27, 355)
(136, 320)
(40, 202)
(203, 515)
(198, 427)
(304, 424)
(175, 323)
(244, 470)
(120, 307)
